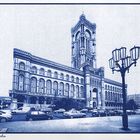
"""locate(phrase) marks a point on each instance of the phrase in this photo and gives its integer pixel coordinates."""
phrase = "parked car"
(5, 115)
(137, 111)
(119, 112)
(61, 110)
(94, 112)
(102, 112)
(131, 112)
(87, 112)
(46, 110)
(112, 113)
(21, 110)
(84, 110)
(59, 114)
(74, 114)
(38, 115)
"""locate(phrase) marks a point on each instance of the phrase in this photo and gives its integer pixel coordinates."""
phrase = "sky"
(45, 31)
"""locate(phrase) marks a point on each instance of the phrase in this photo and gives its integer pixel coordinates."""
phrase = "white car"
(5, 115)
(74, 114)
(21, 110)
(61, 110)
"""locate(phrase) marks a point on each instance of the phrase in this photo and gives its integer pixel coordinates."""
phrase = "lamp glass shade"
(135, 53)
(116, 55)
(122, 52)
(111, 63)
(127, 61)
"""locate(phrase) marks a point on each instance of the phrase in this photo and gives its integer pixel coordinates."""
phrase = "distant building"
(38, 81)
(135, 97)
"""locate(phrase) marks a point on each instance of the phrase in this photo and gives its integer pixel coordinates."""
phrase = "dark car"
(119, 112)
(95, 113)
(112, 112)
(84, 110)
(102, 112)
(38, 115)
(59, 114)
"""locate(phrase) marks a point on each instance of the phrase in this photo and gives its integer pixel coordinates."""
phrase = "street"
(110, 124)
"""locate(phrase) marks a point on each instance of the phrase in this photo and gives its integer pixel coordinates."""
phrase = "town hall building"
(38, 82)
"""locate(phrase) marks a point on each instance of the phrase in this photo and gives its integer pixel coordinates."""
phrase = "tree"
(131, 105)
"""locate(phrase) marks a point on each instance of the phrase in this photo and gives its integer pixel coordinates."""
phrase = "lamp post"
(120, 62)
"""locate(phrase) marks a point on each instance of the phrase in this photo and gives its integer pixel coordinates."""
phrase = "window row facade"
(95, 82)
(49, 73)
(113, 88)
(51, 88)
(112, 96)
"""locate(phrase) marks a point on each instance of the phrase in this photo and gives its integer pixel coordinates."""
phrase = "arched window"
(72, 90)
(55, 88)
(62, 76)
(77, 80)
(95, 82)
(105, 95)
(88, 34)
(111, 88)
(77, 91)
(67, 89)
(34, 70)
(55, 74)
(77, 36)
(49, 87)
(41, 85)
(72, 78)
(21, 66)
(82, 81)
(33, 84)
(49, 73)
(81, 92)
(61, 91)
(21, 82)
(42, 71)
(67, 77)
(109, 96)
(106, 87)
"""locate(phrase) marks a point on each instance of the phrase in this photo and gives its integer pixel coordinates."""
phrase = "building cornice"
(41, 61)
(113, 82)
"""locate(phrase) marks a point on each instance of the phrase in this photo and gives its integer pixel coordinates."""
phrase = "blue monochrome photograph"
(69, 68)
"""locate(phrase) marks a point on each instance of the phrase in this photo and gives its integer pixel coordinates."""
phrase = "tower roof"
(82, 17)
(83, 20)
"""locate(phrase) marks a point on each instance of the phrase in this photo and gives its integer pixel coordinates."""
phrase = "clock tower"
(83, 44)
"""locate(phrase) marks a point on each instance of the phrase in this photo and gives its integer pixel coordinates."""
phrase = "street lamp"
(120, 62)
